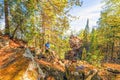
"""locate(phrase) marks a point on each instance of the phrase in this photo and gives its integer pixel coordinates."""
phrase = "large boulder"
(76, 49)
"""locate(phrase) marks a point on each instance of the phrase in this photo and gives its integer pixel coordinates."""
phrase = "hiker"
(47, 51)
(47, 47)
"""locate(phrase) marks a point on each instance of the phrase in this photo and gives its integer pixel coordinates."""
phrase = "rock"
(75, 53)
(115, 71)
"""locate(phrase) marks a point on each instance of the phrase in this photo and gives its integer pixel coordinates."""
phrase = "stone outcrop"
(76, 49)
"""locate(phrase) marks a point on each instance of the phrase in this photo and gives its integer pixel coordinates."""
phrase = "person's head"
(48, 42)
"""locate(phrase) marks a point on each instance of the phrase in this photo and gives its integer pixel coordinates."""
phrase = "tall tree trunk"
(112, 51)
(107, 52)
(43, 32)
(7, 31)
(17, 27)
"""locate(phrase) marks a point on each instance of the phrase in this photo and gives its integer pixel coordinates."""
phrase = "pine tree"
(86, 36)
(7, 26)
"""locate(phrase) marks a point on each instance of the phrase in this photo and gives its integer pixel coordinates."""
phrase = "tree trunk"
(107, 52)
(43, 32)
(17, 27)
(7, 32)
(112, 51)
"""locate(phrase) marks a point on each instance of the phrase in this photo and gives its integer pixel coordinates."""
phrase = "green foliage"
(84, 54)
(105, 40)
(86, 34)
(1, 9)
(95, 57)
(37, 22)
(109, 28)
(60, 46)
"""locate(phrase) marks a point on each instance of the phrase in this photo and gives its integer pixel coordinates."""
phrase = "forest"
(34, 44)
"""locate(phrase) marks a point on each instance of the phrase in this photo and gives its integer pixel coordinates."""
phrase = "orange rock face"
(12, 62)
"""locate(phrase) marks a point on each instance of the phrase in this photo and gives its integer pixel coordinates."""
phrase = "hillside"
(14, 65)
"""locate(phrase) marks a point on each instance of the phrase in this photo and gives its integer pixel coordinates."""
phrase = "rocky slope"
(15, 65)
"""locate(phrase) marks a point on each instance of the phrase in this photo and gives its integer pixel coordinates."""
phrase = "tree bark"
(43, 32)
(7, 31)
(17, 27)
(112, 50)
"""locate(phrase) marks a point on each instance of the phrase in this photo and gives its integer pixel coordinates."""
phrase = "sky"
(90, 9)
(2, 20)
(2, 23)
